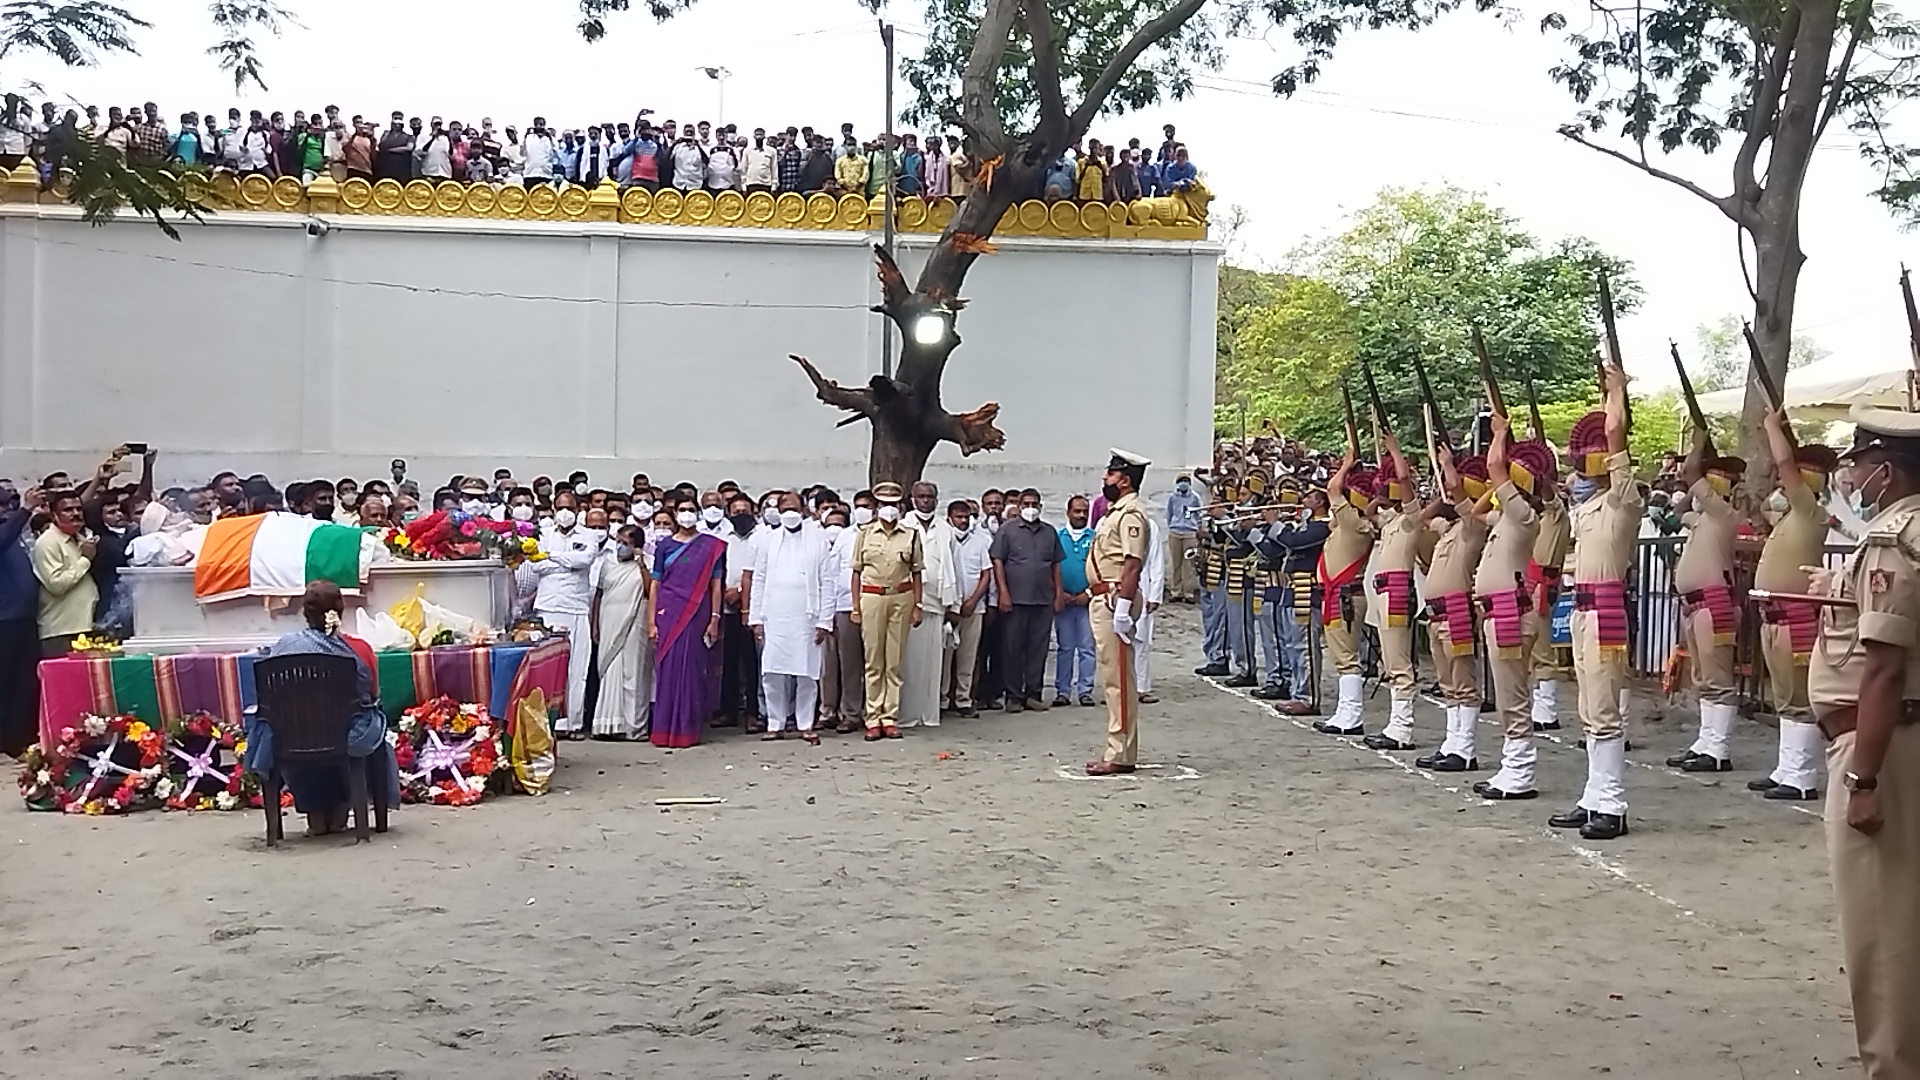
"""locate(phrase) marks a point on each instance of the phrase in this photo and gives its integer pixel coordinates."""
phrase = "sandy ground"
(1271, 903)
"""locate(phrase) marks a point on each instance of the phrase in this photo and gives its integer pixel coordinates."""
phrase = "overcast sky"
(1467, 103)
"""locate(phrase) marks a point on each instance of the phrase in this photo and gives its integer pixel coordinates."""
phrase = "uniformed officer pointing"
(1113, 576)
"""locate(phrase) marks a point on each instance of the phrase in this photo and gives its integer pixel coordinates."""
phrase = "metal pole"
(886, 187)
(721, 119)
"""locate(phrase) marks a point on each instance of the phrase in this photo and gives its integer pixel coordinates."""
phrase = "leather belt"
(881, 590)
(1522, 606)
(1098, 588)
(1846, 718)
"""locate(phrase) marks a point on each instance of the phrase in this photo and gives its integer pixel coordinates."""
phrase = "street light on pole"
(719, 75)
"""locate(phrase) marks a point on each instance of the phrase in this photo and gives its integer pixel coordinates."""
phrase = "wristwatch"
(1855, 782)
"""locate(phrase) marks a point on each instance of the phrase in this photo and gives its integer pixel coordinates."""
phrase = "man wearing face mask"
(1343, 602)
(1113, 566)
(1865, 690)
(1072, 628)
(791, 613)
(847, 639)
(1183, 527)
(739, 655)
(940, 607)
(1709, 613)
(973, 570)
(1390, 598)
(1547, 660)
(1026, 578)
(1789, 628)
(1606, 512)
(564, 600)
(713, 515)
(887, 567)
(473, 497)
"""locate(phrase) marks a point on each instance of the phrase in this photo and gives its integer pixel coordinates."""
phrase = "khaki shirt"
(1399, 540)
(1882, 577)
(1707, 556)
(1797, 540)
(1607, 525)
(1121, 535)
(1456, 551)
(1516, 536)
(1349, 538)
(887, 555)
(1555, 536)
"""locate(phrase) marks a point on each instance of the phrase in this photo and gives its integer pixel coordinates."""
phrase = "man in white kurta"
(625, 704)
(1153, 589)
(939, 597)
(791, 611)
(973, 570)
(564, 601)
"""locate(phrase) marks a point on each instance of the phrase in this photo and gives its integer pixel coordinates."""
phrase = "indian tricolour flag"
(275, 555)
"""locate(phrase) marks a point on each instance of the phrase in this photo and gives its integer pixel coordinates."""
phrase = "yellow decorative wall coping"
(1162, 218)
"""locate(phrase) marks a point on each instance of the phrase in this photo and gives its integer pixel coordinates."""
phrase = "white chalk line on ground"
(1151, 771)
(1588, 855)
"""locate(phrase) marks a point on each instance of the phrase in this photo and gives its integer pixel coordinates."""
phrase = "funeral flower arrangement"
(453, 534)
(204, 766)
(106, 765)
(446, 751)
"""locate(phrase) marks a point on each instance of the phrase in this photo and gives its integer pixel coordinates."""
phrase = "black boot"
(1679, 761)
(1325, 727)
(1213, 671)
(1382, 741)
(1486, 790)
(1604, 827)
(1269, 692)
(1575, 818)
(1243, 679)
(1761, 784)
(1551, 725)
(1450, 763)
(1704, 763)
(1788, 793)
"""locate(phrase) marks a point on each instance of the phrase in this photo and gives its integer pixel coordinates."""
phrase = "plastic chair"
(307, 701)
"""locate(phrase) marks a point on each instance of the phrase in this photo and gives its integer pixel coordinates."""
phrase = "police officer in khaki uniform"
(1709, 613)
(1113, 576)
(1343, 602)
(1391, 600)
(1865, 688)
(887, 564)
(1546, 661)
(1459, 536)
(1509, 623)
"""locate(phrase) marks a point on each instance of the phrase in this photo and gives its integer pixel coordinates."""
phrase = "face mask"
(580, 488)
(834, 531)
(1777, 502)
(687, 519)
(742, 523)
(1112, 493)
(963, 531)
(598, 536)
(522, 512)
(644, 508)
(791, 519)
(474, 507)
(770, 515)
(1029, 513)
(712, 514)
(993, 524)
(1581, 488)
(889, 512)
(623, 552)
(1857, 499)
(1076, 531)
(862, 515)
(409, 517)
(1183, 487)
(564, 519)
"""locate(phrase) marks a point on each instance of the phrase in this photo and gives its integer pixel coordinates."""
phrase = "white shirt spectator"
(689, 166)
(436, 156)
(756, 167)
(973, 555)
(566, 584)
(723, 171)
(253, 150)
(840, 558)
(539, 151)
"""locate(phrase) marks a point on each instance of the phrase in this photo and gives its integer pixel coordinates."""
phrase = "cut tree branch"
(893, 284)
(980, 82)
(840, 397)
(1152, 33)
(1766, 104)
(1741, 213)
(1837, 86)
(974, 431)
(1052, 130)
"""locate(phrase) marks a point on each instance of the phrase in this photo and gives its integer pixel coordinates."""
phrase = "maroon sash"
(1455, 609)
(1330, 586)
(1717, 602)
(1396, 587)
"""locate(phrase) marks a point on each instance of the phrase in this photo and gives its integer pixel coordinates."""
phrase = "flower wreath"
(453, 534)
(446, 752)
(204, 766)
(106, 765)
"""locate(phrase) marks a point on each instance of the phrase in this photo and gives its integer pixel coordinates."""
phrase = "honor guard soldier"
(1709, 614)
(1390, 601)
(1269, 593)
(1865, 687)
(1509, 623)
(1113, 577)
(1547, 660)
(1211, 563)
(1237, 545)
(887, 564)
(1302, 541)
(1343, 602)
(1788, 628)
(1607, 507)
(1456, 552)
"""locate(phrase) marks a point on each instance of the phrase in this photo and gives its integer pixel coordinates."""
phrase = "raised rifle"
(1769, 388)
(1431, 405)
(1913, 316)
(1353, 429)
(1379, 412)
(1698, 418)
(1613, 357)
(1494, 398)
(1533, 413)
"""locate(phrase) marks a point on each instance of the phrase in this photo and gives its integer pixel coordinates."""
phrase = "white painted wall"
(464, 345)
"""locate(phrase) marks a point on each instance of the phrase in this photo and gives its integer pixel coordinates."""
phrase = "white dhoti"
(579, 628)
(920, 671)
(626, 659)
(789, 594)
(1143, 654)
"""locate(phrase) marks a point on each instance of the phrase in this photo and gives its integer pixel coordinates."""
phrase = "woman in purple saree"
(684, 622)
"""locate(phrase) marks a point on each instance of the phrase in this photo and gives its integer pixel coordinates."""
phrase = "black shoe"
(1604, 827)
(1788, 793)
(969, 713)
(1014, 705)
(1551, 725)
(1575, 818)
(1679, 761)
(1761, 784)
(1383, 741)
(1451, 763)
(1326, 728)
(1243, 679)
(1486, 790)
(1060, 699)
(1269, 692)
(1213, 670)
(1703, 763)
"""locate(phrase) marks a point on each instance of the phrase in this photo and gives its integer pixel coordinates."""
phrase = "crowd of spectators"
(695, 156)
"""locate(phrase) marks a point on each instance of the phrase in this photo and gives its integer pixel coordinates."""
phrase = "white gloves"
(1123, 620)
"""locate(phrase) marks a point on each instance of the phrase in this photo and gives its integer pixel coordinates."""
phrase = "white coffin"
(167, 619)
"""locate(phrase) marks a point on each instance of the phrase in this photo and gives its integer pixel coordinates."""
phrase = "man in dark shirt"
(817, 169)
(1302, 542)
(1026, 569)
(19, 630)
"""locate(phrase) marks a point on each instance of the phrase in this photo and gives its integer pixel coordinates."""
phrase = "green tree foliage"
(1410, 277)
(1720, 358)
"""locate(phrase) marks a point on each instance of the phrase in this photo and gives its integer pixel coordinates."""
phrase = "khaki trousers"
(884, 619)
(1512, 679)
(1180, 577)
(1396, 659)
(1546, 660)
(1875, 881)
(1709, 665)
(956, 678)
(1459, 676)
(1343, 641)
(1599, 677)
(1113, 673)
(1786, 679)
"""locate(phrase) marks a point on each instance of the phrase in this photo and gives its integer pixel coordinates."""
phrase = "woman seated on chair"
(321, 792)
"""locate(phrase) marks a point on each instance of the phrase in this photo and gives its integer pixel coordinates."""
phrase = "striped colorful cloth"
(162, 688)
